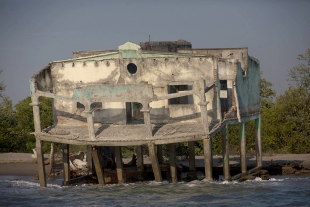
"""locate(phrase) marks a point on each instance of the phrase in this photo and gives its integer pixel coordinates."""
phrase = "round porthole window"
(132, 68)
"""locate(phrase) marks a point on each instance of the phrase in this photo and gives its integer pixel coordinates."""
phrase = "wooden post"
(40, 162)
(192, 167)
(258, 142)
(66, 164)
(155, 164)
(98, 166)
(242, 147)
(140, 165)
(160, 154)
(225, 149)
(119, 165)
(208, 159)
(37, 127)
(89, 160)
(172, 161)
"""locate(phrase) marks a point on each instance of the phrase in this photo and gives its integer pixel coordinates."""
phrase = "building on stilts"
(152, 94)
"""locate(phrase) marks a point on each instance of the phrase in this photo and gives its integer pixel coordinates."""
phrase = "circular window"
(132, 68)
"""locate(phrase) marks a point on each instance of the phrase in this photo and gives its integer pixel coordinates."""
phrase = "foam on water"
(280, 191)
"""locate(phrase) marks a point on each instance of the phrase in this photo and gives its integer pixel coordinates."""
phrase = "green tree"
(2, 86)
(300, 74)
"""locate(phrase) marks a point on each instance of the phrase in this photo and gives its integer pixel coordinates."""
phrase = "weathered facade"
(141, 97)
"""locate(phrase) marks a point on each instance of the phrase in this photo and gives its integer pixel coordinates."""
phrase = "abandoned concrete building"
(151, 94)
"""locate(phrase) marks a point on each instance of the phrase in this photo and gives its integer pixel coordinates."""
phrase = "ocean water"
(278, 191)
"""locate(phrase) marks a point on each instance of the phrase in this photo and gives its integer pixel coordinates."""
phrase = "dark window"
(132, 68)
(94, 105)
(183, 99)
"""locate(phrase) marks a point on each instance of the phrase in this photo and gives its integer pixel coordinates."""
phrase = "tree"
(300, 74)
(2, 86)
(267, 94)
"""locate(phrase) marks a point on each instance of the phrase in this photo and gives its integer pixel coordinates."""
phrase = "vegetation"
(285, 120)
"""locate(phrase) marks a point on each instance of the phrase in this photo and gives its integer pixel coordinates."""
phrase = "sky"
(34, 33)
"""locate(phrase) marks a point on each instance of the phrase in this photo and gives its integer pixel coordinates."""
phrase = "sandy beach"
(23, 164)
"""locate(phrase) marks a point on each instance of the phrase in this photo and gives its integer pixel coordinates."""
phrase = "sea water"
(278, 191)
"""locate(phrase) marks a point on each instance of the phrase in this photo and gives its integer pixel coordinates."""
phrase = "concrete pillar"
(242, 147)
(258, 142)
(203, 106)
(191, 161)
(97, 159)
(208, 159)
(66, 164)
(140, 165)
(90, 124)
(40, 162)
(172, 161)
(119, 165)
(147, 121)
(155, 164)
(225, 149)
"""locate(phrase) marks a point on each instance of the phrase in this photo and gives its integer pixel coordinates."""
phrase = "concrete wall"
(248, 88)
(160, 72)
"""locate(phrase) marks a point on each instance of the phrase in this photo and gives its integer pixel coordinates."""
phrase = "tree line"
(285, 119)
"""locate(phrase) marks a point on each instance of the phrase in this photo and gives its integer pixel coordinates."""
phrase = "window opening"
(180, 100)
(132, 68)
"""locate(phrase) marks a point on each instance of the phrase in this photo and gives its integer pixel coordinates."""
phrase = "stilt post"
(192, 166)
(172, 162)
(225, 149)
(66, 164)
(258, 142)
(208, 159)
(155, 164)
(242, 147)
(119, 165)
(98, 166)
(140, 165)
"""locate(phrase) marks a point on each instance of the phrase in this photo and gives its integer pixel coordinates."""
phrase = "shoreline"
(22, 164)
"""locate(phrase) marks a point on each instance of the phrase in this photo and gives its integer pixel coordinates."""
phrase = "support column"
(98, 166)
(119, 165)
(90, 124)
(172, 161)
(155, 164)
(203, 106)
(147, 120)
(140, 165)
(208, 159)
(160, 154)
(89, 160)
(191, 160)
(258, 142)
(242, 147)
(40, 162)
(225, 149)
(66, 164)
(37, 126)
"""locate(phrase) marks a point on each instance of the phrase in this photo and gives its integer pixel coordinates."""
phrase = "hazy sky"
(34, 33)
